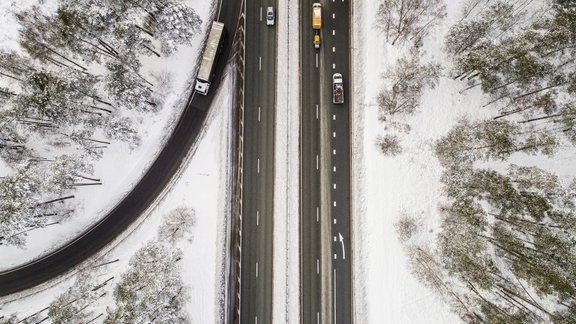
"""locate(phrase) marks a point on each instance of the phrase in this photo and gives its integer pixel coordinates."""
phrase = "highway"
(326, 262)
(258, 167)
(142, 195)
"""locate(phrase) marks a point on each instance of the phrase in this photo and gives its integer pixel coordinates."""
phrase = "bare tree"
(408, 78)
(389, 145)
(177, 223)
(407, 19)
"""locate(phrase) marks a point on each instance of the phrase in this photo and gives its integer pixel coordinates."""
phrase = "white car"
(270, 16)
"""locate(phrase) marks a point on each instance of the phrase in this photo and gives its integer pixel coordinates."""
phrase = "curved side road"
(146, 190)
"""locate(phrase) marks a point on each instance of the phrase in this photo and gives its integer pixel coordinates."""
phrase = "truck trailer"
(316, 15)
(210, 58)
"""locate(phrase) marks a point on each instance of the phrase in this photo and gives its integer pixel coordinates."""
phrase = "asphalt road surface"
(326, 281)
(258, 173)
(143, 194)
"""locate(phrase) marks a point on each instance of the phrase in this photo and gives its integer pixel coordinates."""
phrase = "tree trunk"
(56, 200)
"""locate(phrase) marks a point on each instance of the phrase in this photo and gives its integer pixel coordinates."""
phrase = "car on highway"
(270, 16)
(316, 40)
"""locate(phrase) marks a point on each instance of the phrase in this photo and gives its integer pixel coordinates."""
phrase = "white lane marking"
(316, 111)
(316, 60)
(256, 269)
(257, 218)
(333, 65)
(334, 186)
(259, 63)
(333, 16)
(258, 166)
(333, 49)
(334, 203)
(334, 152)
(335, 296)
(333, 134)
(260, 13)
(256, 320)
(317, 317)
(334, 169)
(258, 113)
(333, 32)
(317, 266)
(343, 251)
(317, 214)
(317, 160)
(333, 117)
(335, 256)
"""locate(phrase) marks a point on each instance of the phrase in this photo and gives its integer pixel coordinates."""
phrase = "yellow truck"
(316, 15)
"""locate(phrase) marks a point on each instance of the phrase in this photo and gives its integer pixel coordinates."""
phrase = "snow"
(286, 294)
(384, 187)
(385, 289)
(117, 178)
(9, 31)
(201, 185)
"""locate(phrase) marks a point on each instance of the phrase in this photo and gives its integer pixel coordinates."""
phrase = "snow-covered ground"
(286, 308)
(201, 185)
(117, 178)
(384, 187)
(385, 289)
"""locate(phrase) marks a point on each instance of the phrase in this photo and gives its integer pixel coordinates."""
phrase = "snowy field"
(92, 202)
(409, 183)
(386, 290)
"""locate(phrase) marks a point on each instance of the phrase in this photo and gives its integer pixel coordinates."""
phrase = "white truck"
(337, 89)
(209, 58)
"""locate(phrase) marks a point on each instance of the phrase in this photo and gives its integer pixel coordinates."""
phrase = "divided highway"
(258, 167)
(326, 265)
(143, 194)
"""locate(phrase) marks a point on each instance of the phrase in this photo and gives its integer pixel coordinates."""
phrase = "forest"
(76, 86)
(505, 251)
